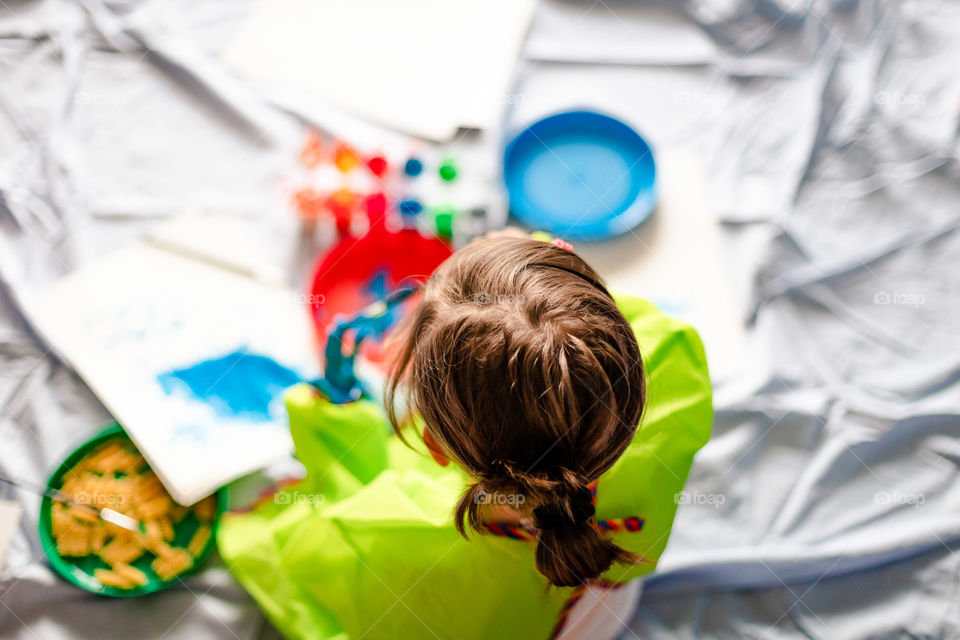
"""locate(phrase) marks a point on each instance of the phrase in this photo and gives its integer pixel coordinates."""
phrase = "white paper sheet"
(426, 67)
(170, 345)
(640, 33)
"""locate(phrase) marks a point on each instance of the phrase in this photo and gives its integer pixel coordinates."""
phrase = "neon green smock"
(365, 547)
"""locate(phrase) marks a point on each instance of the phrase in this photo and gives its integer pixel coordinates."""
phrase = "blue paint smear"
(377, 289)
(237, 385)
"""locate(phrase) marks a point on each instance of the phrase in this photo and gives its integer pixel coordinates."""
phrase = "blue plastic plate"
(580, 175)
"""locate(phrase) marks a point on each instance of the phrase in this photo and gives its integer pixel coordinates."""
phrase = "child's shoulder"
(648, 478)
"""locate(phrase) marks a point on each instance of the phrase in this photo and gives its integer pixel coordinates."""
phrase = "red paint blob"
(377, 165)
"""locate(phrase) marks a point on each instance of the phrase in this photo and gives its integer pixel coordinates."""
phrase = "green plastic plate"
(79, 571)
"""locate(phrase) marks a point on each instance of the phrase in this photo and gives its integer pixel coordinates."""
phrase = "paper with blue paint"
(191, 359)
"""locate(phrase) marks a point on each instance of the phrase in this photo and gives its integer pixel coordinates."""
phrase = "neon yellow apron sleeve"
(343, 446)
(649, 478)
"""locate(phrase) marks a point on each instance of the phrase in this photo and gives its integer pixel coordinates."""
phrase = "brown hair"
(528, 376)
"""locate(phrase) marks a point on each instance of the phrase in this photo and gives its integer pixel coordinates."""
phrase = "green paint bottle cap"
(448, 170)
(443, 219)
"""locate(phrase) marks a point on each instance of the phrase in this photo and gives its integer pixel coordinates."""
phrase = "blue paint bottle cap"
(413, 167)
(410, 207)
(580, 175)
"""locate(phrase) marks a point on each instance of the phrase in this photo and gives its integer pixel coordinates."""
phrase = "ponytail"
(571, 549)
(573, 554)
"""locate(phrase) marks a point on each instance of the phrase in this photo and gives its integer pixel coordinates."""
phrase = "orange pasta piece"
(178, 512)
(83, 513)
(75, 541)
(112, 579)
(199, 540)
(155, 508)
(131, 573)
(121, 550)
(206, 509)
(166, 528)
(172, 563)
(60, 519)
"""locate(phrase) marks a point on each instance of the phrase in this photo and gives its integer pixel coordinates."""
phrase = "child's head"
(527, 375)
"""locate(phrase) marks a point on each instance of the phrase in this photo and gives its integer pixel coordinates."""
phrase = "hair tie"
(554, 516)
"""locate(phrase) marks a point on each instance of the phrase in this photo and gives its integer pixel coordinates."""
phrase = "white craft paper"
(129, 318)
(426, 67)
(635, 33)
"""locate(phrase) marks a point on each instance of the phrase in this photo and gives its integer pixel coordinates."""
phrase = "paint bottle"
(375, 206)
(448, 170)
(443, 220)
(476, 222)
(341, 204)
(345, 158)
(413, 167)
(378, 166)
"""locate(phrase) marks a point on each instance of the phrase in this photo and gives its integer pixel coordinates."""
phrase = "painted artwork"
(192, 359)
(238, 385)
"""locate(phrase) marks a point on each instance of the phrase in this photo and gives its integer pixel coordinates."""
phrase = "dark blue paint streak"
(237, 385)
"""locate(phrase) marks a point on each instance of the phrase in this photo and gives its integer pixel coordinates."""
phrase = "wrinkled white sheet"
(826, 504)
